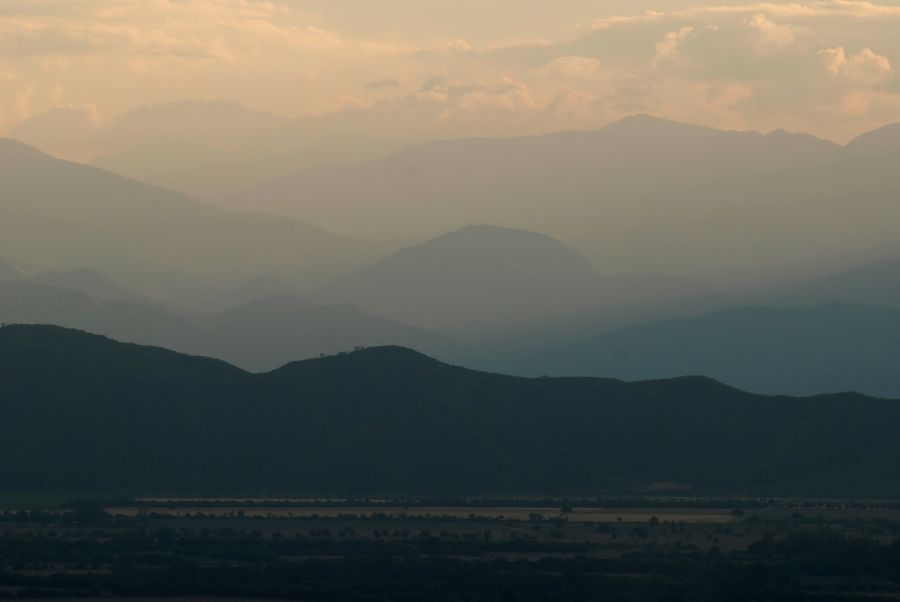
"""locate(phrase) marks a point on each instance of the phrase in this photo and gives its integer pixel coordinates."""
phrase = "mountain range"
(83, 413)
(260, 335)
(488, 280)
(206, 149)
(511, 301)
(59, 216)
(800, 350)
(641, 195)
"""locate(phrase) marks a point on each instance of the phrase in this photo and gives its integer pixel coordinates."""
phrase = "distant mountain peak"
(479, 274)
(883, 139)
(493, 233)
(645, 123)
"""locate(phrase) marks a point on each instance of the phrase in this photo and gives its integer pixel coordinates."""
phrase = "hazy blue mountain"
(876, 283)
(262, 335)
(269, 332)
(8, 272)
(525, 181)
(145, 420)
(93, 283)
(254, 289)
(642, 195)
(789, 350)
(487, 279)
(150, 324)
(56, 215)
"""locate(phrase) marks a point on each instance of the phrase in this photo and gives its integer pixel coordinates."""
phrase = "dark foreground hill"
(85, 413)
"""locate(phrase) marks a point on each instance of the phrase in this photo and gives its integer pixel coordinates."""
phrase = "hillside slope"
(261, 335)
(790, 350)
(57, 216)
(641, 195)
(486, 278)
(86, 413)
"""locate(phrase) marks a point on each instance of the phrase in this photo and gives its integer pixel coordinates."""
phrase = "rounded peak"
(394, 358)
(492, 245)
(492, 232)
(643, 123)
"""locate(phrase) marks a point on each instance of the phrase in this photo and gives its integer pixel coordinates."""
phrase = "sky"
(489, 67)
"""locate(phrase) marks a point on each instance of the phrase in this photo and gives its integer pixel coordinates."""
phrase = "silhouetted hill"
(60, 216)
(150, 324)
(261, 335)
(485, 278)
(84, 413)
(269, 332)
(792, 350)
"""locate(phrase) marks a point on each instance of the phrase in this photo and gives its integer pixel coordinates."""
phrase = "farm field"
(301, 549)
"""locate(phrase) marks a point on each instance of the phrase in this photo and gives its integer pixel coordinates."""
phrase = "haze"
(579, 188)
(451, 68)
(450, 300)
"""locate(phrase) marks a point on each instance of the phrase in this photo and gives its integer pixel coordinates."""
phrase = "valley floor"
(623, 549)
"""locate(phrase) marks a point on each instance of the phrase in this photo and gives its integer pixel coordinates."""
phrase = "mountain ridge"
(143, 420)
(61, 215)
(800, 350)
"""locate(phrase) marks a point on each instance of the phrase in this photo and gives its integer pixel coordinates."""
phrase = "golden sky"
(490, 67)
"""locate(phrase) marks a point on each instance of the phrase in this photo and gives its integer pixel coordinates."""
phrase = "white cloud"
(669, 47)
(615, 21)
(772, 36)
(865, 67)
(572, 67)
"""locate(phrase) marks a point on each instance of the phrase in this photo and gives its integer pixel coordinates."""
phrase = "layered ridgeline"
(874, 282)
(258, 334)
(9, 272)
(641, 195)
(478, 285)
(775, 350)
(59, 216)
(82, 412)
(486, 280)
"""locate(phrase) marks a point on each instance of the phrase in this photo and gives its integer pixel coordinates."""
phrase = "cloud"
(616, 21)
(814, 8)
(572, 67)
(503, 95)
(387, 83)
(802, 64)
(772, 36)
(669, 48)
(866, 67)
